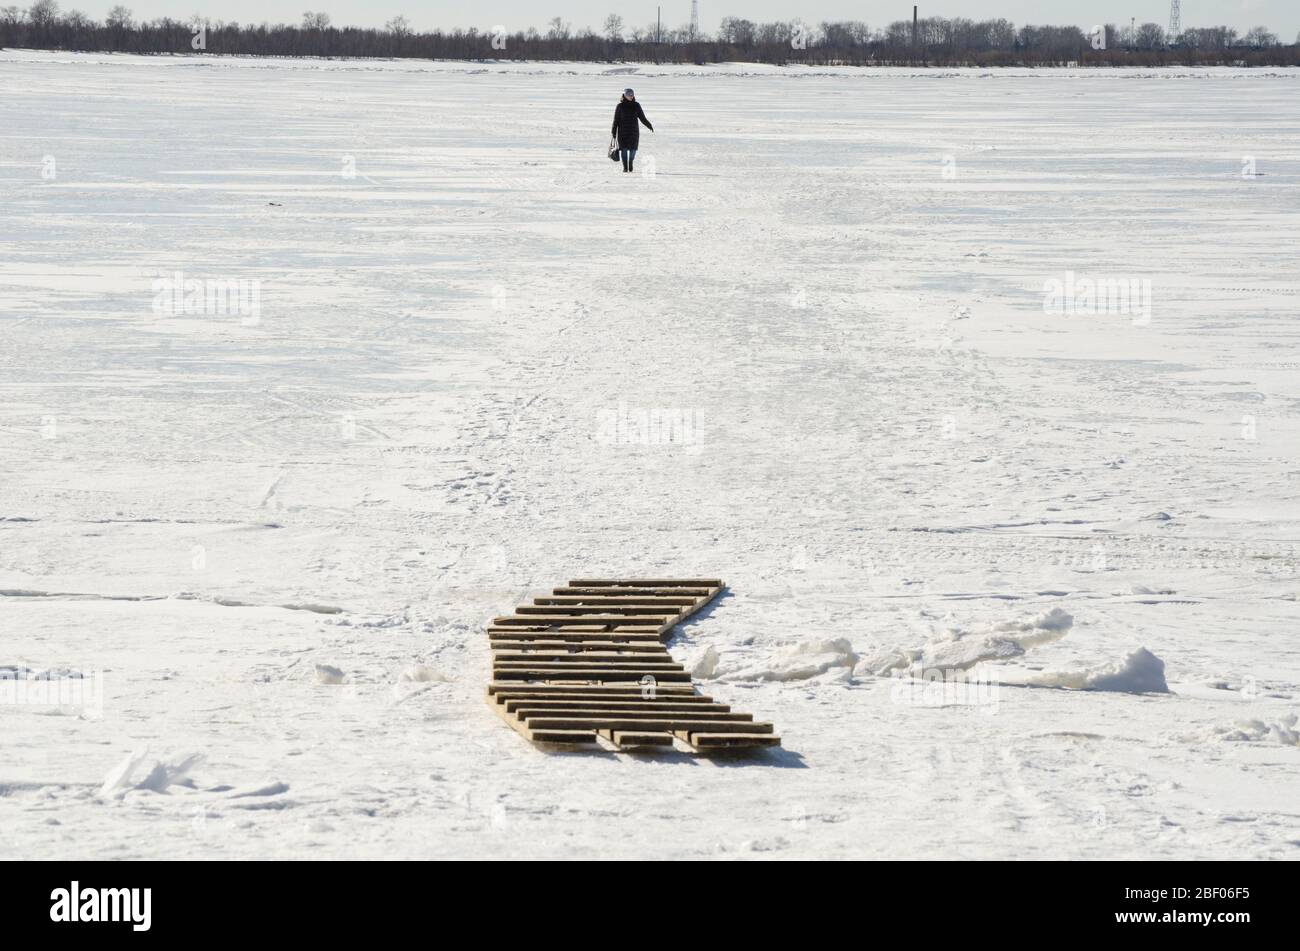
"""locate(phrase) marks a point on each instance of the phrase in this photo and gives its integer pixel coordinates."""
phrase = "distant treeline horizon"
(933, 41)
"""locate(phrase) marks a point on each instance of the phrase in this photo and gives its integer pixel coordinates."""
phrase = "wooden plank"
(603, 676)
(637, 657)
(586, 668)
(554, 739)
(620, 599)
(631, 647)
(613, 706)
(510, 689)
(632, 624)
(674, 694)
(637, 610)
(714, 741)
(631, 740)
(615, 600)
(681, 726)
(684, 731)
(594, 621)
(578, 610)
(598, 708)
(634, 659)
(580, 697)
(577, 699)
(690, 715)
(509, 699)
(637, 592)
(563, 737)
(632, 662)
(645, 583)
(583, 653)
(578, 675)
(643, 631)
(635, 635)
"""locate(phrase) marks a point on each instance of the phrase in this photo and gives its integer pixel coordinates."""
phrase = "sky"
(1281, 16)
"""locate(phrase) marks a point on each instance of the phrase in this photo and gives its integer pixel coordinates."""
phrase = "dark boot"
(626, 165)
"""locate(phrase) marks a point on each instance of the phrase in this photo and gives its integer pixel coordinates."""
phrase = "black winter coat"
(625, 128)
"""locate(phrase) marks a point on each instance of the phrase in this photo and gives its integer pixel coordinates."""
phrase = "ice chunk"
(118, 780)
(1141, 672)
(1255, 731)
(706, 665)
(167, 773)
(879, 663)
(162, 774)
(1044, 629)
(965, 653)
(325, 674)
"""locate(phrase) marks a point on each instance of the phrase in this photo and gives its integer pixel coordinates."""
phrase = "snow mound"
(416, 680)
(1283, 732)
(802, 661)
(419, 674)
(962, 649)
(1141, 672)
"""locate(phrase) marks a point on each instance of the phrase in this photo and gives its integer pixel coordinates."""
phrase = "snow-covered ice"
(836, 343)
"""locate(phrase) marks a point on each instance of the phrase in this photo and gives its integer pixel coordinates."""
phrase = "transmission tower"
(1175, 19)
(695, 18)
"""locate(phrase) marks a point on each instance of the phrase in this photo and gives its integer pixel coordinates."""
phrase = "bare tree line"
(936, 41)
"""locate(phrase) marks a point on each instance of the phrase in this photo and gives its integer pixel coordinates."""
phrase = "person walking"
(627, 114)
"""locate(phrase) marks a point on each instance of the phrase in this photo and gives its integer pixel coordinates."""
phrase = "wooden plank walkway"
(586, 667)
